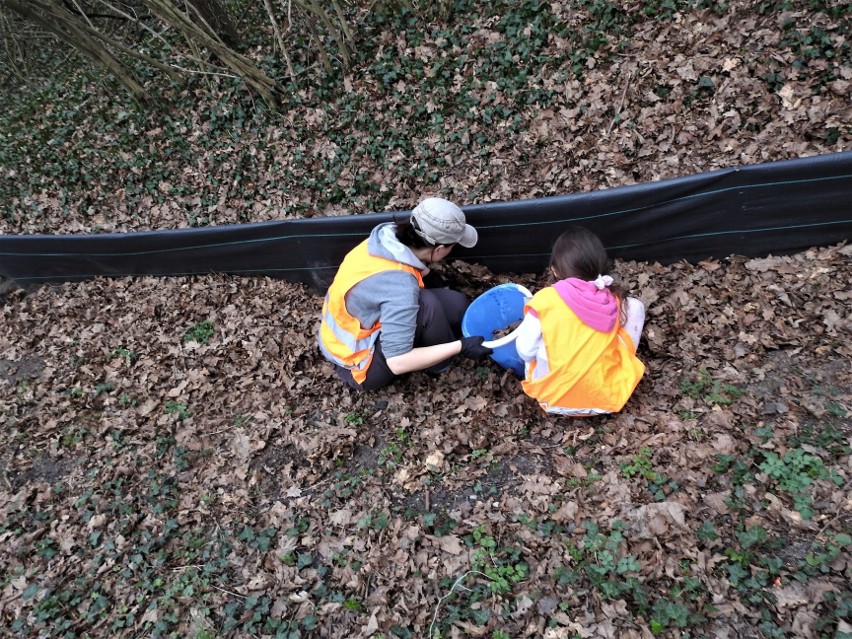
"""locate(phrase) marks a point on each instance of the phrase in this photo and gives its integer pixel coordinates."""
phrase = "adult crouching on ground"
(386, 313)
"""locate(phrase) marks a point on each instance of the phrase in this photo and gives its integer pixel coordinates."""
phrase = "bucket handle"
(511, 337)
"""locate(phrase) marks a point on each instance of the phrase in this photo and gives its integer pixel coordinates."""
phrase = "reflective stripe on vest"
(342, 339)
(591, 372)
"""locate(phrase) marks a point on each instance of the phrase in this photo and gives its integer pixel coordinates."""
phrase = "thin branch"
(837, 514)
(79, 11)
(322, 54)
(167, 44)
(452, 589)
(309, 6)
(198, 72)
(135, 19)
(73, 32)
(229, 592)
(621, 104)
(210, 30)
(277, 32)
(134, 53)
(238, 63)
(342, 19)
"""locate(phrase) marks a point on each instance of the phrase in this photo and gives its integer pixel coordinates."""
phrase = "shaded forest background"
(177, 460)
(475, 101)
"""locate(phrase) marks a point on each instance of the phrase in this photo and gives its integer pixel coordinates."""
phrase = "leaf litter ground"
(178, 460)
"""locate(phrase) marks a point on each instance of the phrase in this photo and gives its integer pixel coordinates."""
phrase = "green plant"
(126, 354)
(72, 436)
(502, 566)
(126, 400)
(765, 433)
(826, 436)
(200, 332)
(657, 483)
(395, 448)
(353, 604)
(839, 608)
(176, 408)
(494, 571)
(482, 372)
(375, 520)
(793, 473)
(599, 558)
(666, 612)
(836, 409)
(741, 470)
(753, 563)
(106, 387)
(819, 558)
(262, 540)
(707, 532)
(639, 465)
(711, 391)
(119, 440)
(354, 419)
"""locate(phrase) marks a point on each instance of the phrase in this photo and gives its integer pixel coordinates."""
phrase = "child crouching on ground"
(579, 336)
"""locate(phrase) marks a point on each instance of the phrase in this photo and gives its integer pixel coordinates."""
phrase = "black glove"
(433, 280)
(472, 348)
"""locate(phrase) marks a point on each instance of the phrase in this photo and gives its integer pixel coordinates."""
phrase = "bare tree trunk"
(310, 6)
(103, 31)
(71, 29)
(277, 31)
(239, 64)
(214, 16)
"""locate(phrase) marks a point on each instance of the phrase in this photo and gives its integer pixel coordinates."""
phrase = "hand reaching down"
(472, 348)
(433, 279)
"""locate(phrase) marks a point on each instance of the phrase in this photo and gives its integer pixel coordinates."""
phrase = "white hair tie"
(602, 281)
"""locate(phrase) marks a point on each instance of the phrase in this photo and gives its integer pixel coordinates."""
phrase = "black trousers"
(438, 322)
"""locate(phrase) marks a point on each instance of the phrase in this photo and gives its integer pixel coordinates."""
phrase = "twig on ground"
(845, 488)
(229, 592)
(621, 104)
(452, 589)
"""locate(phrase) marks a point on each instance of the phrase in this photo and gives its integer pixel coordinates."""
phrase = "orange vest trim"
(591, 372)
(342, 339)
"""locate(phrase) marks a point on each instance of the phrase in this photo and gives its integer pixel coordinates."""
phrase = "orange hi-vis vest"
(591, 372)
(342, 339)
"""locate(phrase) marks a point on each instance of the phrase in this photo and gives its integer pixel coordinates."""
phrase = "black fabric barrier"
(755, 210)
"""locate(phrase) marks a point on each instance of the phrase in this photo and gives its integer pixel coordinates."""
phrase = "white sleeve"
(529, 338)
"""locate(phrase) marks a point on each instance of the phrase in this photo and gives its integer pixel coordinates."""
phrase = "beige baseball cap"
(439, 221)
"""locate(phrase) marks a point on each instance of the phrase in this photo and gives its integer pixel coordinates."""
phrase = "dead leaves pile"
(156, 484)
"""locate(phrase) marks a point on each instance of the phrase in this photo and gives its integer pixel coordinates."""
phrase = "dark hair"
(580, 253)
(406, 234)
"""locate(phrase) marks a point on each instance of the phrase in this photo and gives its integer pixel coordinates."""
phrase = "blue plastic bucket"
(494, 310)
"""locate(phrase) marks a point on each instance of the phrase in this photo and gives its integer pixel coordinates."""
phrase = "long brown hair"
(580, 253)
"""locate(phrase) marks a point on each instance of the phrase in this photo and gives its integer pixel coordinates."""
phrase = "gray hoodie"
(391, 297)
